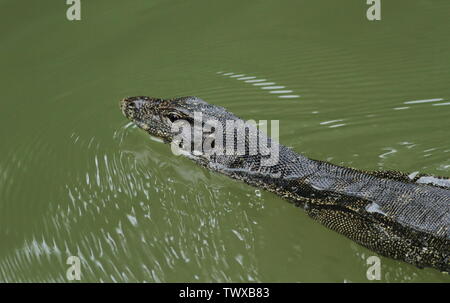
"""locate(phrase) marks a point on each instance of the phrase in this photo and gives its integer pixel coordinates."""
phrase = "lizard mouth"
(123, 106)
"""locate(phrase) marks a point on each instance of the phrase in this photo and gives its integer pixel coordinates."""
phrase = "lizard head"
(204, 132)
(158, 116)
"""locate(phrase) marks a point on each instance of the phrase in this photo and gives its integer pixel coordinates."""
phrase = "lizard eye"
(173, 117)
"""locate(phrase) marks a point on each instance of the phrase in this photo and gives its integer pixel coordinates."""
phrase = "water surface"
(77, 179)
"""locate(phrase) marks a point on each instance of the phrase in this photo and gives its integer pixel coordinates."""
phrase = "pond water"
(77, 180)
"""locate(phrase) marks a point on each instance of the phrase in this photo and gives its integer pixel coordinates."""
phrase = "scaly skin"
(390, 213)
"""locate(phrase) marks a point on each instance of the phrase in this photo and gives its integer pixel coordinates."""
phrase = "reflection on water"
(77, 179)
(435, 102)
(263, 84)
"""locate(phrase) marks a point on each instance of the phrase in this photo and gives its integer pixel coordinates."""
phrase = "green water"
(77, 180)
